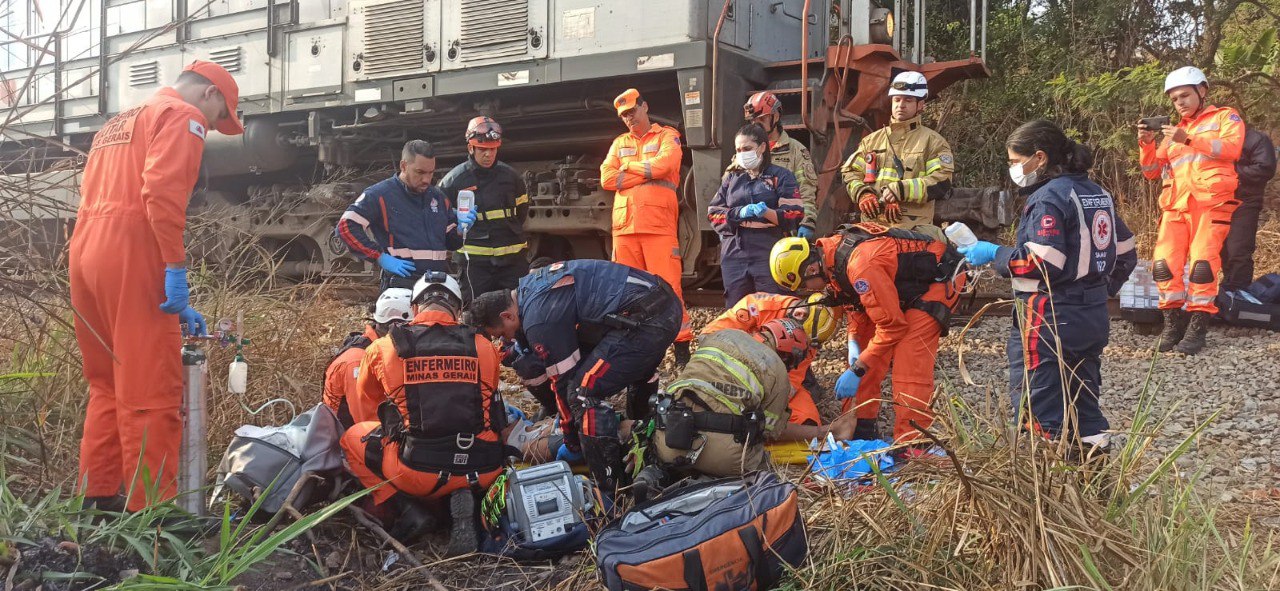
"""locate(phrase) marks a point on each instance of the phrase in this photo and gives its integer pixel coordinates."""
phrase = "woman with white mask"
(1073, 251)
(757, 204)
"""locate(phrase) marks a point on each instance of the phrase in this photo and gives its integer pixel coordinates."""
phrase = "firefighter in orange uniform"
(437, 433)
(819, 323)
(129, 280)
(897, 310)
(1200, 153)
(340, 392)
(643, 167)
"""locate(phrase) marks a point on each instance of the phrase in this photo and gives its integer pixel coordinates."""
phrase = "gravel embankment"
(1238, 376)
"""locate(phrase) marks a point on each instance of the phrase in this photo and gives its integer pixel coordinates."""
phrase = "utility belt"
(682, 425)
(649, 305)
(463, 453)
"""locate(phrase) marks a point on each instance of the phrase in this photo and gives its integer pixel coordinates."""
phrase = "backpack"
(272, 459)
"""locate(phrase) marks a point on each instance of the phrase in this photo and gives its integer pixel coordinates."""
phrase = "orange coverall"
(889, 336)
(382, 378)
(1196, 213)
(142, 167)
(756, 309)
(340, 384)
(645, 172)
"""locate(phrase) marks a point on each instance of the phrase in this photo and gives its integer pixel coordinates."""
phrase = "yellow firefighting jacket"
(792, 155)
(907, 157)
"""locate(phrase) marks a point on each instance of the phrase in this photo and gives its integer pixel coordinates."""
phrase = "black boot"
(111, 504)
(866, 430)
(411, 520)
(682, 353)
(648, 483)
(1175, 327)
(462, 537)
(1193, 342)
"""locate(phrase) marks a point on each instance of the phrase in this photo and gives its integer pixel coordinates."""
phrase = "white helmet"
(435, 281)
(393, 304)
(909, 84)
(1184, 76)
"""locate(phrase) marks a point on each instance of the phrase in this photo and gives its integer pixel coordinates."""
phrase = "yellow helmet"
(787, 261)
(821, 321)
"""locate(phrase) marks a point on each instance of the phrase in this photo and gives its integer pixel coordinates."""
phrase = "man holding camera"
(1200, 153)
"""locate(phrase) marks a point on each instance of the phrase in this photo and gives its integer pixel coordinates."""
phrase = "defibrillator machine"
(548, 500)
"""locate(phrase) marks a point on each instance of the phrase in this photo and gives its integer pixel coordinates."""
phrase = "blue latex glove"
(979, 253)
(847, 385)
(395, 266)
(806, 232)
(193, 321)
(177, 294)
(514, 414)
(466, 219)
(567, 455)
(752, 210)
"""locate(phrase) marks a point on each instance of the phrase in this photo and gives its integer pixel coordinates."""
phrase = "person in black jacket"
(493, 255)
(1256, 166)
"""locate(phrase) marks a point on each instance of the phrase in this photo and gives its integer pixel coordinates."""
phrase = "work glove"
(193, 323)
(979, 253)
(466, 219)
(806, 232)
(752, 210)
(869, 205)
(847, 385)
(892, 212)
(565, 454)
(177, 294)
(395, 266)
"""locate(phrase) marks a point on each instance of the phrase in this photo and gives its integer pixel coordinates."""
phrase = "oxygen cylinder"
(238, 375)
(194, 454)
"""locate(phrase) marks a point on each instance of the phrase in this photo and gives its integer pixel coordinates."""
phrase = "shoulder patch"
(742, 316)
(556, 266)
(861, 286)
(1048, 222)
(946, 158)
(1234, 117)
(195, 128)
(1101, 229)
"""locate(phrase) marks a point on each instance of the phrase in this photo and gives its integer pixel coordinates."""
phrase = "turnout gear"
(440, 423)
(909, 84)
(745, 236)
(483, 132)
(141, 169)
(644, 170)
(1074, 251)
(1175, 327)
(494, 255)
(898, 287)
(1256, 166)
(755, 310)
(730, 396)
(1196, 218)
(415, 227)
(1194, 340)
(340, 392)
(909, 159)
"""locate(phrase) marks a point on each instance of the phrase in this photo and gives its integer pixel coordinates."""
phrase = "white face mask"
(749, 159)
(1023, 179)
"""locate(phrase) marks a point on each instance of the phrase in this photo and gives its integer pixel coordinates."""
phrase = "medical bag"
(269, 461)
(1266, 288)
(1240, 311)
(732, 533)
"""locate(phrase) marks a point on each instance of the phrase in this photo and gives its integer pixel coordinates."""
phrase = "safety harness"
(446, 406)
(918, 269)
(690, 415)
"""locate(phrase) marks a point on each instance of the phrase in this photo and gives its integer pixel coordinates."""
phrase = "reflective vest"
(441, 417)
(913, 160)
(1203, 168)
(645, 173)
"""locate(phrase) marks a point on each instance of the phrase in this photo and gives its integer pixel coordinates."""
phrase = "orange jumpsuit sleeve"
(664, 162)
(490, 364)
(1153, 158)
(333, 386)
(869, 264)
(613, 171)
(169, 175)
(372, 381)
(1229, 141)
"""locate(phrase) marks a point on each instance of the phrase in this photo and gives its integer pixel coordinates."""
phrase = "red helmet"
(787, 337)
(760, 104)
(484, 132)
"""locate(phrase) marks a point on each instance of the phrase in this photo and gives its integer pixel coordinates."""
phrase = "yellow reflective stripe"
(739, 370)
(915, 190)
(932, 166)
(521, 200)
(494, 251)
(706, 388)
(495, 214)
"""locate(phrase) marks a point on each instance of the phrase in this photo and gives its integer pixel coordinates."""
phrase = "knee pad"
(1160, 271)
(1201, 272)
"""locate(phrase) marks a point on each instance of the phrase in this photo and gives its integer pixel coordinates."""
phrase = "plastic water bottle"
(466, 200)
(960, 235)
(238, 376)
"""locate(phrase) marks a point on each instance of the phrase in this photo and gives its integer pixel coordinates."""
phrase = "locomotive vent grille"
(227, 58)
(393, 37)
(144, 73)
(494, 29)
